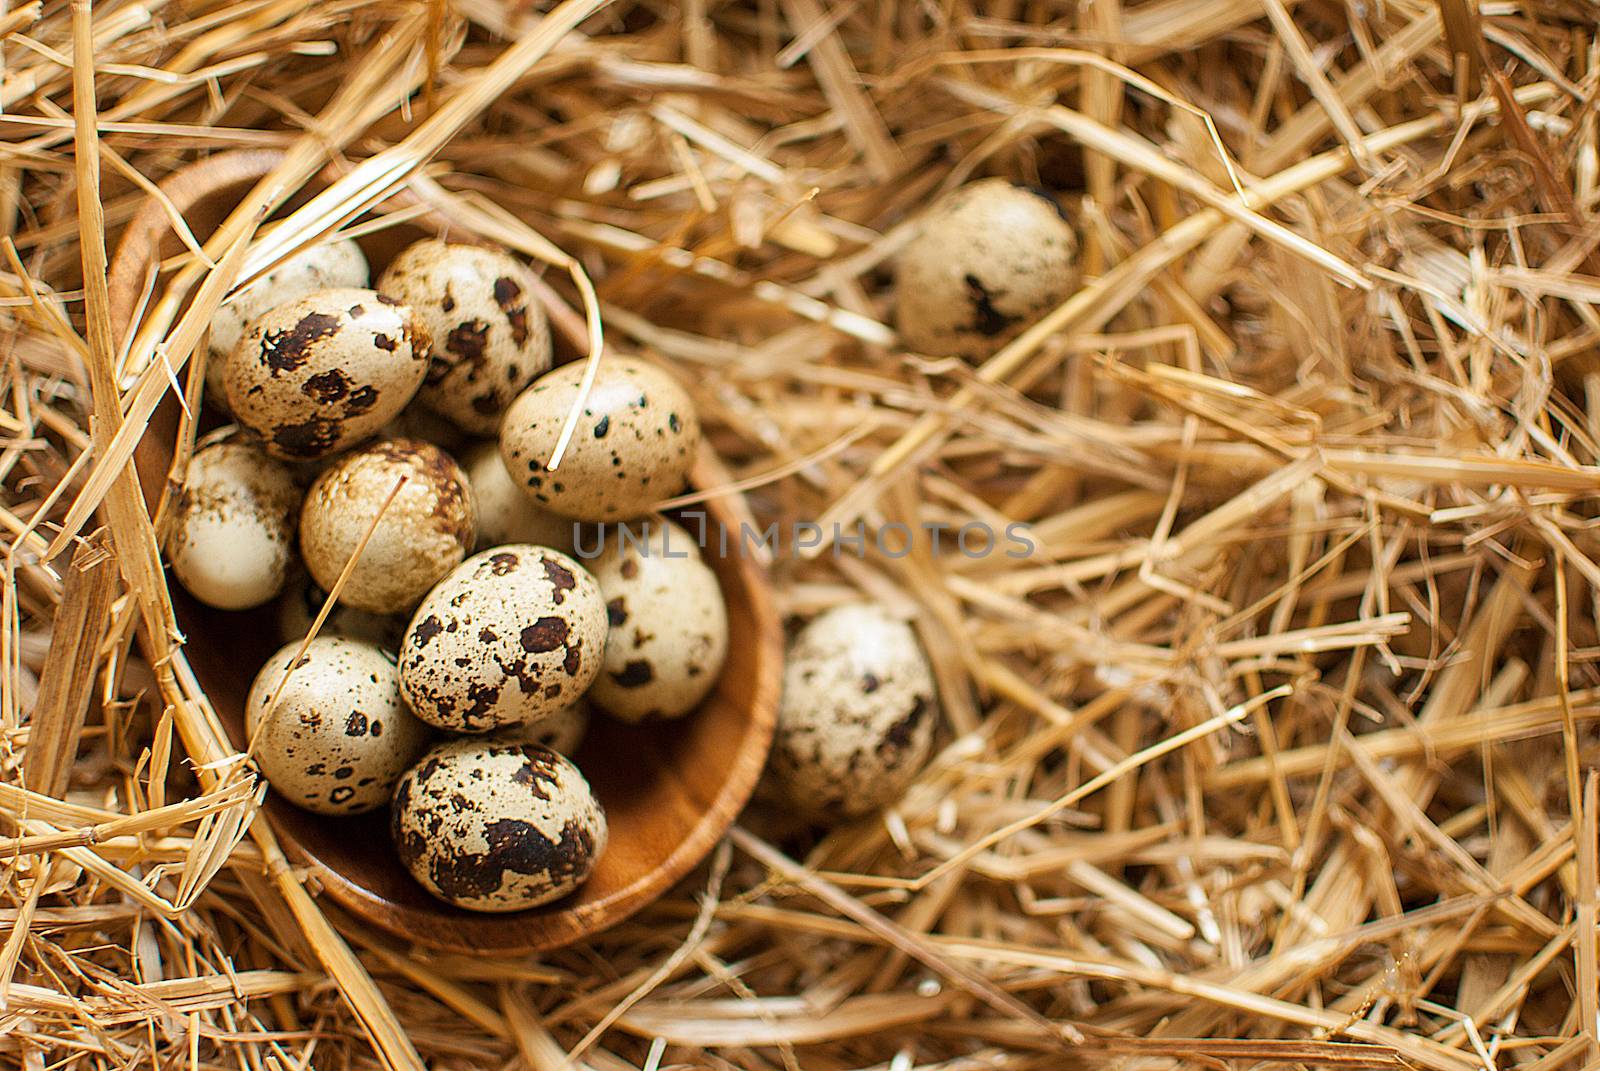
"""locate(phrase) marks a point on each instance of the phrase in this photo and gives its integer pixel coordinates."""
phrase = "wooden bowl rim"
(544, 929)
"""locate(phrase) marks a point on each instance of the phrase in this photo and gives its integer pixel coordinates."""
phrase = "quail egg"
(497, 827)
(505, 514)
(321, 373)
(328, 264)
(233, 541)
(299, 606)
(562, 731)
(490, 337)
(513, 635)
(634, 444)
(855, 723)
(338, 737)
(669, 625)
(424, 532)
(988, 260)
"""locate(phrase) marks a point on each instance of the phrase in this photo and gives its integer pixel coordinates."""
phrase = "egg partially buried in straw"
(321, 373)
(988, 260)
(497, 827)
(855, 723)
(634, 445)
(338, 736)
(490, 337)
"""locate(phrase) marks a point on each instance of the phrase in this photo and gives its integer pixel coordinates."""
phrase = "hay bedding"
(1279, 750)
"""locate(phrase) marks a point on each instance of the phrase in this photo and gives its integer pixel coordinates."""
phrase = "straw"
(1276, 749)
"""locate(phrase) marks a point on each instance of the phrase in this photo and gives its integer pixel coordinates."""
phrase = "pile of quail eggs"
(422, 415)
(398, 436)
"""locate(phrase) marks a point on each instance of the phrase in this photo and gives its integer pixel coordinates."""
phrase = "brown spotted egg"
(338, 737)
(490, 337)
(423, 533)
(987, 261)
(512, 636)
(328, 264)
(319, 374)
(562, 731)
(505, 514)
(634, 445)
(497, 827)
(669, 624)
(233, 540)
(855, 723)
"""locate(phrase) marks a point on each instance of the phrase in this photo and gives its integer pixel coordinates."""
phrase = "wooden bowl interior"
(669, 789)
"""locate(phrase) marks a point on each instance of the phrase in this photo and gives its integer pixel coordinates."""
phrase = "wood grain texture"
(670, 790)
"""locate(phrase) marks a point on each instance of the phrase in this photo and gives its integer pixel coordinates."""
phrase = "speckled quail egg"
(490, 337)
(513, 635)
(338, 737)
(562, 731)
(669, 625)
(338, 263)
(319, 374)
(233, 541)
(424, 532)
(856, 719)
(497, 827)
(634, 444)
(299, 606)
(987, 261)
(505, 514)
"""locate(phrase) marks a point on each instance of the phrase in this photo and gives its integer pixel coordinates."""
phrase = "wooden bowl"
(670, 790)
